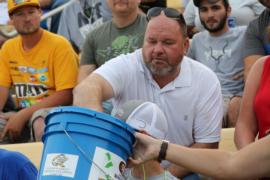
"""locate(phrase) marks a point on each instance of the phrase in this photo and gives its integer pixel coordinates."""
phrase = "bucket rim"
(89, 112)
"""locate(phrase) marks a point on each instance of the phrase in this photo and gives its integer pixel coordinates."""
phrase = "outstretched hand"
(146, 148)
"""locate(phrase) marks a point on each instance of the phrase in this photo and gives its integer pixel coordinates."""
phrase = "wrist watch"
(163, 150)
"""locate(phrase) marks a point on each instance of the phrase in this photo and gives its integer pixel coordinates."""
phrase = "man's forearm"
(62, 97)
(91, 92)
(89, 96)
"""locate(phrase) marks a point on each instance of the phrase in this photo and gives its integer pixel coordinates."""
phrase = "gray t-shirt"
(223, 55)
(165, 175)
(75, 25)
(256, 38)
(108, 41)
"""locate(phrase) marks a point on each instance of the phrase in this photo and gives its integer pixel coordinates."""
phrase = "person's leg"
(37, 124)
(233, 110)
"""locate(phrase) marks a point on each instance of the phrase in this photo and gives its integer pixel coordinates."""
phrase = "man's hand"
(15, 125)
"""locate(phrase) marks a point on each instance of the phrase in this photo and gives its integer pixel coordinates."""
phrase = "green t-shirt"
(108, 41)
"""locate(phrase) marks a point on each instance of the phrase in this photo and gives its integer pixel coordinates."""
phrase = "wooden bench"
(34, 150)
(227, 140)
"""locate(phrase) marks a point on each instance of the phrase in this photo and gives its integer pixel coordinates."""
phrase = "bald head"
(162, 21)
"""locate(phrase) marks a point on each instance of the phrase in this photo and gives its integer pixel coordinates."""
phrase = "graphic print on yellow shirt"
(36, 87)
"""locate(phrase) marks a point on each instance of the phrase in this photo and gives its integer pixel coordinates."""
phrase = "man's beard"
(28, 32)
(220, 26)
(159, 72)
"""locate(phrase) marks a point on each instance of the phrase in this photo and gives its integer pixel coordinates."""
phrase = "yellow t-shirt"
(50, 66)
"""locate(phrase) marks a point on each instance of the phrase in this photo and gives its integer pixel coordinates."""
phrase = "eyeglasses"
(169, 12)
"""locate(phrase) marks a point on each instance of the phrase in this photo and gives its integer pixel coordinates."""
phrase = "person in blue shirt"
(15, 166)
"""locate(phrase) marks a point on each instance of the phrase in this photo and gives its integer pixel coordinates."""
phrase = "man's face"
(123, 6)
(213, 15)
(266, 3)
(26, 20)
(164, 46)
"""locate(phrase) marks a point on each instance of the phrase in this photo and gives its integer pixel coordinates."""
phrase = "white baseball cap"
(143, 115)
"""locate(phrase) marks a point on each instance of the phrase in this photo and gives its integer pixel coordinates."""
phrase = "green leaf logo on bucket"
(110, 163)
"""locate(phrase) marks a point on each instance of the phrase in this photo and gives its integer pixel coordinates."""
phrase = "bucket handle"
(84, 153)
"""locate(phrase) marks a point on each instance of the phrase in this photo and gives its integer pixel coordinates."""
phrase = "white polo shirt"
(192, 103)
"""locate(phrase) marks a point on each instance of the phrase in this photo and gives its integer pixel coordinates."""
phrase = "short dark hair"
(198, 2)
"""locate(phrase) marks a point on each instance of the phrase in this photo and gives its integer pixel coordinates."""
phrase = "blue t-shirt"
(15, 166)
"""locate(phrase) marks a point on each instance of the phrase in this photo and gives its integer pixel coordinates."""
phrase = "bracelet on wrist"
(163, 150)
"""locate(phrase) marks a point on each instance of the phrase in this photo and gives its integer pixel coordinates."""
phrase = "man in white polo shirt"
(188, 92)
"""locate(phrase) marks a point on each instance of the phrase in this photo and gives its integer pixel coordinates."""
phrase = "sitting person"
(220, 48)
(39, 65)
(15, 166)
(254, 118)
(188, 93)
(242, 13)
(257, 42)
(148, 118)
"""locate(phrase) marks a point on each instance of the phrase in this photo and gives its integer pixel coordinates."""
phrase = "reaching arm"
(214, 163)
(180, 171)
(84, 71)
(246, 126)
(3, 97)
(92, 91)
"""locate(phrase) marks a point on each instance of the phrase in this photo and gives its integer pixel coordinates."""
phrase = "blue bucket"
(83, 144)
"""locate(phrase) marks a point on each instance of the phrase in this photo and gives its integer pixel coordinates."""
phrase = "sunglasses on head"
(169, 12)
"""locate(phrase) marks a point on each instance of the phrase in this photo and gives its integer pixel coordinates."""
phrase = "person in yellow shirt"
(40, 66)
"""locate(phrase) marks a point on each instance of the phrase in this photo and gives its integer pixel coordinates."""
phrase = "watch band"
(163, 150)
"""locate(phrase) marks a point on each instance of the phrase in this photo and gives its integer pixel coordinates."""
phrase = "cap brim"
(10, 11)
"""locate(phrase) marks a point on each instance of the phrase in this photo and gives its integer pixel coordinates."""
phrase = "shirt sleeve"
(65, 67)
(119, 71)
(88, 50)
(5, 78)
(253, 44)
(257, 8)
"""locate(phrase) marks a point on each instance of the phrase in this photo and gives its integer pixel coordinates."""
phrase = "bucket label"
(106, 166)
(60, 165)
